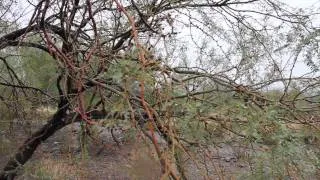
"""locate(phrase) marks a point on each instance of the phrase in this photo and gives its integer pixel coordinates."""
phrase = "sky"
(301, 68)
(300, 3)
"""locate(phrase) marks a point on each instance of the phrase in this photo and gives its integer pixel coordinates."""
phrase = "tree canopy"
(199, 73)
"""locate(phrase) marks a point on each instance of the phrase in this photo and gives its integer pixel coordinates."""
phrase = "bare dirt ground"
(60, 157)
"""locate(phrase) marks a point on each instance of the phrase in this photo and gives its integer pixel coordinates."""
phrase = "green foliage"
(128, 74)
(287, 154)
(288, 159)
(83, 140)
(39, 69)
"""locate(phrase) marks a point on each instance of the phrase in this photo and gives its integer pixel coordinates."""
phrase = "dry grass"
(143, 163)
(51, 169)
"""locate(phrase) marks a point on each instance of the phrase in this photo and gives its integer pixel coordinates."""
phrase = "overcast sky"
(301, 68)
(300, 3)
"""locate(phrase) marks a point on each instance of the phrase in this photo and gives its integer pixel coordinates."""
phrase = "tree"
(128, 58)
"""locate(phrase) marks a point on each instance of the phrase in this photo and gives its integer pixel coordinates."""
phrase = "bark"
(59, 120)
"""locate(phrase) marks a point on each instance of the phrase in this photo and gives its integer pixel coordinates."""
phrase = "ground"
(60, 157)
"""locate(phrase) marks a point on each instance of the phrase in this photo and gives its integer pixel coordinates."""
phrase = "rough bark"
(59, 120)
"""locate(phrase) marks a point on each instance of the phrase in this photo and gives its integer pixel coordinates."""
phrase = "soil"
(131, 156)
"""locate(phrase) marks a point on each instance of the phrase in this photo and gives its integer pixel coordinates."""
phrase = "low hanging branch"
(144, 62)
(59, 120)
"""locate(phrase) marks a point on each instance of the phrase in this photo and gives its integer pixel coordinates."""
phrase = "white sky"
(301, 68)
(300, 3)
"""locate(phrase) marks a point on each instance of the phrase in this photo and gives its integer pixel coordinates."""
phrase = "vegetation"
(195, 78)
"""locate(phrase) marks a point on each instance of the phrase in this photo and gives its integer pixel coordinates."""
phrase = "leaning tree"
(196, 72)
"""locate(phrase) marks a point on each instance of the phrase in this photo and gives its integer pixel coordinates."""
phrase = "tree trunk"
(59, 120)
